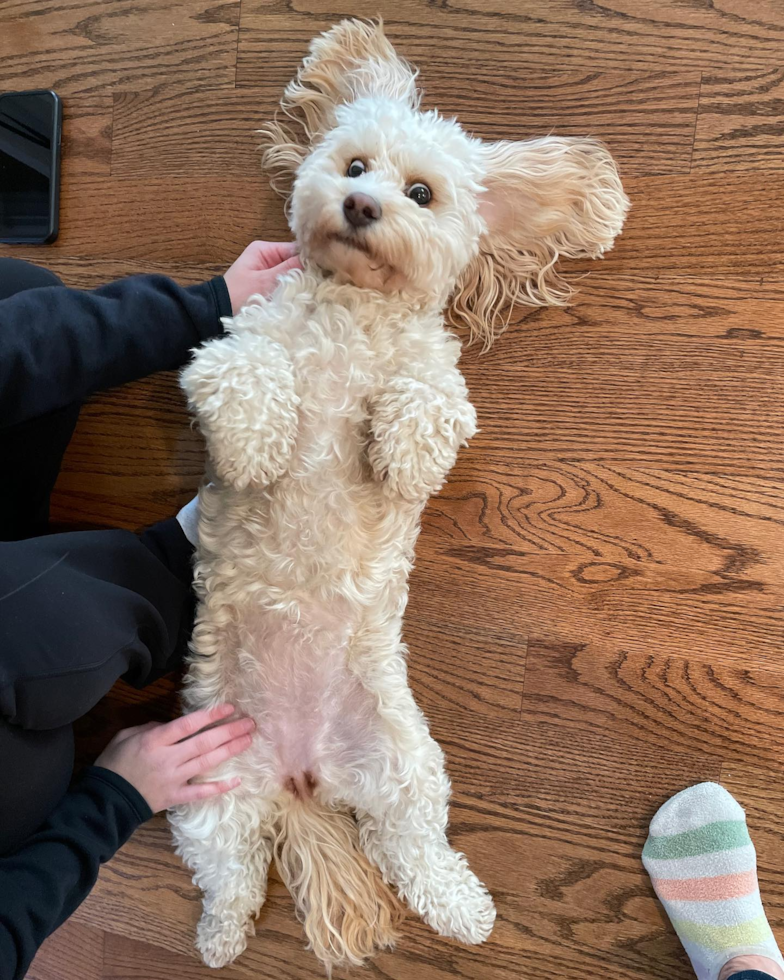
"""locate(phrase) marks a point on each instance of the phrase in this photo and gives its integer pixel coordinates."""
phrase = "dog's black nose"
(361, 210)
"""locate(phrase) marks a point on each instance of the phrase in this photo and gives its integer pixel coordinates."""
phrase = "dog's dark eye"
(356, 168)
(420, 193)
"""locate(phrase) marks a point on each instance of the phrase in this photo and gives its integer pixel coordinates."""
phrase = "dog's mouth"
(372, 270)
(350, 241)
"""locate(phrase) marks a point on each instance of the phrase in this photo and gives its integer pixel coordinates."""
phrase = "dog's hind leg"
(402, 812)
(227, 841)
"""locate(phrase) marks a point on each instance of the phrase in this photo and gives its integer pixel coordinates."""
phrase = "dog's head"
(391, 198)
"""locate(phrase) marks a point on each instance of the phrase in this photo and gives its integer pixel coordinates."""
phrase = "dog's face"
(390, 198)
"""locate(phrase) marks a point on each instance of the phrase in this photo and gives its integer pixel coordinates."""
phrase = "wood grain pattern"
(702, 224)
(597, 613)
(730, 712)
(520, 34)
(139, 449)
(74, 952)
(204, 133)
(125, 959)
(88, 47)
(87, 136)
(648, 119)
(152, 220)
(741, 121)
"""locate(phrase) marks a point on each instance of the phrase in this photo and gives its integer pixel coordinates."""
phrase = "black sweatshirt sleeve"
(51, 874)
(58, 345)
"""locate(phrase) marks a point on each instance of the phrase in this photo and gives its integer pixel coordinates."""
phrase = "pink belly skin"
(317, 728)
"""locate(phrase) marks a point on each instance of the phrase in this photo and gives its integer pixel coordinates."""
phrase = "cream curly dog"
(332, 411)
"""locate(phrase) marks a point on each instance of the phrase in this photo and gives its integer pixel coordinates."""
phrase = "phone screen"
(29, 158)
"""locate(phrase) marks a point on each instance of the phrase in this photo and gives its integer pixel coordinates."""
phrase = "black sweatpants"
(77, 611)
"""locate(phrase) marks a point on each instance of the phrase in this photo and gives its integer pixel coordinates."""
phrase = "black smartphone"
(30, 127)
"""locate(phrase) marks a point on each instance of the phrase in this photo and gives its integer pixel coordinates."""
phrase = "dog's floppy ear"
(543, 199)
(352, 60)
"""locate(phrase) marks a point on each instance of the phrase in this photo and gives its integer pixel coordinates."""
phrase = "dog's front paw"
(220, 941)
(415, 433)
(465, 912)
(242, 390)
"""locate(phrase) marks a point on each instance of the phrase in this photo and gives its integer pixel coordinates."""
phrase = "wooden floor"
(597, 612)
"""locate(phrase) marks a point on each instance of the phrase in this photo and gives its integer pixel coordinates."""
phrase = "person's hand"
(257, 270)
(159, 760)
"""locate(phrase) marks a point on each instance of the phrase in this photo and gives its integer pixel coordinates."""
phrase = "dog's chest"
(338, 365)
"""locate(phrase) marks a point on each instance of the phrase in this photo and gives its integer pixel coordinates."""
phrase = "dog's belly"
(317, 729)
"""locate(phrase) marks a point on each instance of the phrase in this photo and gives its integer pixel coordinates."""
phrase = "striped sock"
(704, 869)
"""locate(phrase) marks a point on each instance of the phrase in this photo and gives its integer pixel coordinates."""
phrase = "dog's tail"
(342, 902)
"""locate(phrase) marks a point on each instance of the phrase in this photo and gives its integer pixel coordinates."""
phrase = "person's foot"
(704, 869)
(751, 968)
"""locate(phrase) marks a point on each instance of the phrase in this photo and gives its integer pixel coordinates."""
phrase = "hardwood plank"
(711, 224)
(648, 120)
(680, 374)
(668, 420)
(575, 907)
(683, 564)
(467, 670)
(521, 34)
(152, 220)
(562, 779)
(206, 132)
(676, 562)
(647, 325)
(87, 135)
(730, 712)
(133, 460)
(741, 121)
(722, 537)
(694, 520)
(127, 959)
(86, 46)
(74, 952)
(550, 594)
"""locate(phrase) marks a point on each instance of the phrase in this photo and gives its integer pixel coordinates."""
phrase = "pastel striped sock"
(704, 869)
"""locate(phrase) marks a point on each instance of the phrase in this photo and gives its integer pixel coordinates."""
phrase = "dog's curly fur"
(332, 411)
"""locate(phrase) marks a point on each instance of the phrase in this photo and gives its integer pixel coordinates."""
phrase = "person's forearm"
(49, 876)
(59, 345)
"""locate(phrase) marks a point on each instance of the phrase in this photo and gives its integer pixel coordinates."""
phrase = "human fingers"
(189, 724)
(270, 254)
(189, 792)
(294, 262)
(210, 760)
(197, 745)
